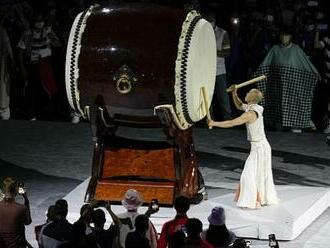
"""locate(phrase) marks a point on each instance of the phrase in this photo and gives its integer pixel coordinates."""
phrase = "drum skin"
(123, 58)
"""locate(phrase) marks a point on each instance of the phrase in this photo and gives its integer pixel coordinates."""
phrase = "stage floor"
(54, 158)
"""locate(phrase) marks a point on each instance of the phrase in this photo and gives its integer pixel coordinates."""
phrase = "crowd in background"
(34, 35)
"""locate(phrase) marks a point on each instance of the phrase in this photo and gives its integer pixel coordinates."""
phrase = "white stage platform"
(298, 208)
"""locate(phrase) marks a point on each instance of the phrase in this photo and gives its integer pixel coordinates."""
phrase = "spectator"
(59, 231)
(51, 214)
(101, 238)
(137, 239)
(194, 228)
(6, 64)
(288, 92)
(217, 234)
(81, 228)
(132, 201)
(220, 104)
(181, 205)
(13, 216)
(241, 243)
(177, 240)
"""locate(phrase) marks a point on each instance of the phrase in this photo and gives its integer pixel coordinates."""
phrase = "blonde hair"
(9, 185)
(257, 95)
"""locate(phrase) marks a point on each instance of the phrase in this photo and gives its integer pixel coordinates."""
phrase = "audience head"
(86, 213)
(181, 204)
(194, 228)
(141, 223)
(9, 187)
(132, 200)
(239, 243)
(51, 213)
(61, 207)
(217, 217)
(98, 218)
(177, 239)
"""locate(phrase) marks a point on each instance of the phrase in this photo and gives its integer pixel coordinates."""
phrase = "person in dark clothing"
(100, 237)
(138, 239)
(59, 231)
(38, 230)
(81, 228)
(217, 234)
(194, 228)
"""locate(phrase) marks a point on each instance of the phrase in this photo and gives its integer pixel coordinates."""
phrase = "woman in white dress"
(256, 186)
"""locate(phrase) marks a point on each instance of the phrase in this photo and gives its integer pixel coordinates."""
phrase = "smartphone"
(21, 189)
(272, 241)
(154, 204)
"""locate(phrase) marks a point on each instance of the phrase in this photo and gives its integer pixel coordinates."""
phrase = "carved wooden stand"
(159, 170)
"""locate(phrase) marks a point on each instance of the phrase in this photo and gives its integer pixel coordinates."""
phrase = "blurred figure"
(100, 237)
(6, 65)
(137, 239)
(194, 240)
(40, 84)
(181, 205)
(81, 228)
(13, 216)
(221, 109)
(132, 201)
(38, 230)
(217, 234)
(59, 231)
(288, 91)
(324, 45)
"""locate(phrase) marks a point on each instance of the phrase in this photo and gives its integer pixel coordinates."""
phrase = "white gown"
(257, 177)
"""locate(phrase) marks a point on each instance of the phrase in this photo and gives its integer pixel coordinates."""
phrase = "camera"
(154, 205)
(272, 241)
(21, 189)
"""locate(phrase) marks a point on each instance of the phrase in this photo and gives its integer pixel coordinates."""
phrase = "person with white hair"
(256, 186)
(132, 201)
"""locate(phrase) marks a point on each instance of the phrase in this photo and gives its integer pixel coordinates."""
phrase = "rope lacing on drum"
(73, 58)
(184, 65)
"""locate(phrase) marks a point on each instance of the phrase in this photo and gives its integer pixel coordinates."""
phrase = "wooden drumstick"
(208, 116)
(252, 81)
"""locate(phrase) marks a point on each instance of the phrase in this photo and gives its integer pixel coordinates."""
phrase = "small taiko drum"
(131, 59)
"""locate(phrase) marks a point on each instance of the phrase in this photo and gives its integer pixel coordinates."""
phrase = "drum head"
(195, 68)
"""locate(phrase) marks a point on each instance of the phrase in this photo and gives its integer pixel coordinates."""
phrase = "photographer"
(14, 216)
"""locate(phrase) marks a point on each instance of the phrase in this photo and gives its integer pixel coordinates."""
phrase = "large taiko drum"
(131, 59)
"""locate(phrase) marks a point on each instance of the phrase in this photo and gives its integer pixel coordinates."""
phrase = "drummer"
(256, 186)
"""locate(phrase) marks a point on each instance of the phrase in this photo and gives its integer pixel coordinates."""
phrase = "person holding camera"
(14, 216)
(132, 201)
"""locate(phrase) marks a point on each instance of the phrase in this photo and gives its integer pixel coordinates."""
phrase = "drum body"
(130, 59)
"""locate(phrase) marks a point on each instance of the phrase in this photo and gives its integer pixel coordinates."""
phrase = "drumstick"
(208, 116)
(252, 81)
